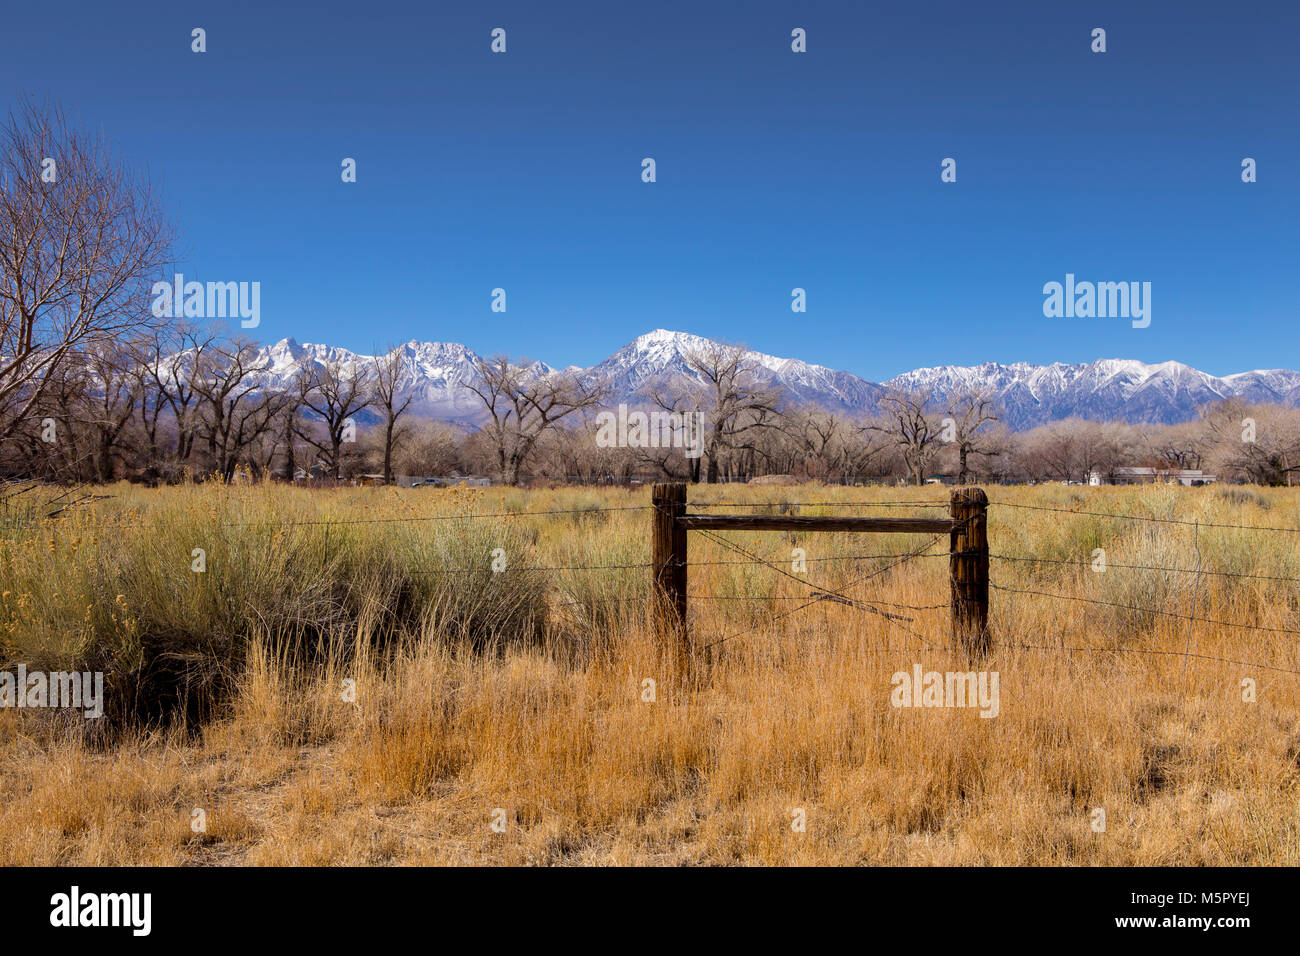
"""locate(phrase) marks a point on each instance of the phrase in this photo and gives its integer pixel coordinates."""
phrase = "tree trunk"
(105, 459)
(290, 460)
(388, 451)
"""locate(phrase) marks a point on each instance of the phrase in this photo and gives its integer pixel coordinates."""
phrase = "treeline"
(909, 437)
(183, 404)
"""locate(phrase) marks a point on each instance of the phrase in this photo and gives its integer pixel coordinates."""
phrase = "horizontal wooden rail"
(814, 523)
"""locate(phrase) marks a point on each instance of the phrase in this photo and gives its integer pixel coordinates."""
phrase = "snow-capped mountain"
(434, 375)
(1105, 390)
(659, 358)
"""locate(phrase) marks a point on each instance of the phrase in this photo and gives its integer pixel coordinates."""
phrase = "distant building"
(1190, 477)
(444, 481)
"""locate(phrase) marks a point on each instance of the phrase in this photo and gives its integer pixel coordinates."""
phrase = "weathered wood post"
(668, 557)
(969, 567)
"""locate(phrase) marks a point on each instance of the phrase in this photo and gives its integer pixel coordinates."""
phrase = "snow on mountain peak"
(436, 374)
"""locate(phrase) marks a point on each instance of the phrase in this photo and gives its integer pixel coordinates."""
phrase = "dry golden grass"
(477, 693)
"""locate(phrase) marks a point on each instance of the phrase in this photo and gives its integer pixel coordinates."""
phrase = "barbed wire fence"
(1199, 572)
(895, 614)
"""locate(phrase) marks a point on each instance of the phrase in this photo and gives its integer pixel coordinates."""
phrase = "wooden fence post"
(668, 555)
(969, 568)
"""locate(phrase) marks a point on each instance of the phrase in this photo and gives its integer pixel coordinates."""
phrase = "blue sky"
(775, 170)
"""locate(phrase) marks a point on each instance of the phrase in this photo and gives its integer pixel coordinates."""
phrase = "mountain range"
(433, 375)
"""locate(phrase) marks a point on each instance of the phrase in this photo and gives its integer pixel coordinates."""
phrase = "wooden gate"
(968, 562)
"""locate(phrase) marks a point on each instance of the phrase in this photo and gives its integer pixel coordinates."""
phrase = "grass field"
(517, 701)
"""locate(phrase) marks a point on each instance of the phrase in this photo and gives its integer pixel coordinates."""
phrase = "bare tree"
(235, 411)
(335, 391)
(71, 456)
(109, 400)
(970, 412)
(677, 401)
(828, 446)
(388, 373)
(82, 237)
(431, 449)
(1180, 446)
(1053, 451)
(912, 429)
(173, 361)
(736, 409)
(1255, 443)
(147, 354)
(288, 428)
(522, 404)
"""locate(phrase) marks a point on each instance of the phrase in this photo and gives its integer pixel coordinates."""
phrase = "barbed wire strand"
(824, 594)
(1145, 610)
(840, 593)
(1142, 650)
(1144, 567)
(1128, 517)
